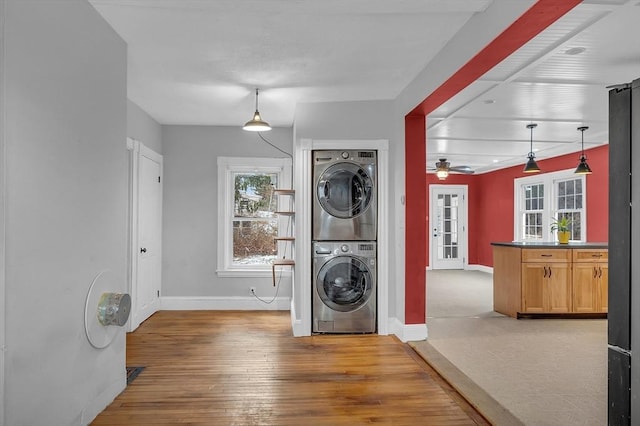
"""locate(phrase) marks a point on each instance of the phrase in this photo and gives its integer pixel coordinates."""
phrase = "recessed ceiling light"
(489, 101)
(575, 50)
(495, 161)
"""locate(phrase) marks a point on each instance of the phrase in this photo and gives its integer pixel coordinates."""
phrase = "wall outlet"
(252, 290)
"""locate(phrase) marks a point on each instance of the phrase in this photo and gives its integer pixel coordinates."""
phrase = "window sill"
(248, 273)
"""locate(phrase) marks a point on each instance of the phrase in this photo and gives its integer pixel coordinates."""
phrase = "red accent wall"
(542, 14)
(416, 219)
(491, 199)
(473, 198)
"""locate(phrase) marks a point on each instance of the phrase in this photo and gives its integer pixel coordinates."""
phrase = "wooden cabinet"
(546, 280)
(550, 280)
(546, 287)
(590, 280)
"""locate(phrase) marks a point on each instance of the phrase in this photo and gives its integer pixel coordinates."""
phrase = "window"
(533, 211)
(541, 199)
(569, 204)
(247, 222)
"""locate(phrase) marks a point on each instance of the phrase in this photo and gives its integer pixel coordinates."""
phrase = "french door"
(447, 226)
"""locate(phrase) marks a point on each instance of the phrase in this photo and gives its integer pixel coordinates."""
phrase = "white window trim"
(549, 180)
(227, 166)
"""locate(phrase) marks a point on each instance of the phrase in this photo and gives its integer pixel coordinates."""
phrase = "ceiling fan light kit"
(256, 124)
(531, 166)
(442, 169)
(583, 168)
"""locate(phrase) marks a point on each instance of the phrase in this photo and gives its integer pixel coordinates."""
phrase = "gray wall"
(349, 121)
(65, 207)
(344, 120)
(142, 127)
(190, 210)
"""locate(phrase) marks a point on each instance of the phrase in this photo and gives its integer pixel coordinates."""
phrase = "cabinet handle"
(600, 274)
(546, 255)
(597, 255)
(549, 271)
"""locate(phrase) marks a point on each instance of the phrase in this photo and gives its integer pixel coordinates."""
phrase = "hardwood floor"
(245, 368)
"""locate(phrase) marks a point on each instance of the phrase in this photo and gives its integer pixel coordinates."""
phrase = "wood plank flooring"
(245, 368)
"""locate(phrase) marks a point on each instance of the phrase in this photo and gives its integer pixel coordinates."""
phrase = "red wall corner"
(416, 216)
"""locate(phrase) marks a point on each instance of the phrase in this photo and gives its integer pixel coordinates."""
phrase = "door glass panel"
(344, 284)
(447, 226)
(344, 190)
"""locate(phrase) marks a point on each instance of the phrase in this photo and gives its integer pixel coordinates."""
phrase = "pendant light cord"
(284, 152)
(531, 139)
(256, 99)
(266, 141)
(582, 129)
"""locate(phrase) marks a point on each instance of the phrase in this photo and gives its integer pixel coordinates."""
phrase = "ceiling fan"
(443, 169)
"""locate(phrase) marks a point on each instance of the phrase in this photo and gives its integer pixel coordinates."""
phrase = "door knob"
(143, 250)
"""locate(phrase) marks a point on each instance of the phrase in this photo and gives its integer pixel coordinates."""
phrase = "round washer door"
(344, 190)
(344, 283)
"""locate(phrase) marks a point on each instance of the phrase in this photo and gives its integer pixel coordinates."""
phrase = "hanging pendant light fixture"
(531, 166)
(583, 168)
(256, 124)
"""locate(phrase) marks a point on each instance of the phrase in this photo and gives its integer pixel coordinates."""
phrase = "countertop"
(552, 244)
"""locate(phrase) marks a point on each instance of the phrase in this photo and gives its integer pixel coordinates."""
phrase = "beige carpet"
(543, 372)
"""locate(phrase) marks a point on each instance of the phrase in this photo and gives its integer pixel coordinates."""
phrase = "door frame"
(464, 222)
(137, 149)
(3, 180)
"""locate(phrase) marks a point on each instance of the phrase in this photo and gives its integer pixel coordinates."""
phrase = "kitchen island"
(541, 279)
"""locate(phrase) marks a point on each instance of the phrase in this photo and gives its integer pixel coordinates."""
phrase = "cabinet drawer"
(590, 255)
(546, 255)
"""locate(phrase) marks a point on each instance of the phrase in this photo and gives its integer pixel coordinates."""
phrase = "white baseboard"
(296, 324)
(481, 268)
(185, 303)
(407, 332)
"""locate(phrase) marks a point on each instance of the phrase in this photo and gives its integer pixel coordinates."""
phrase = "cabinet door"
(590, 287)
(585, 287)
(533, 283)
(603, 288)
(546, 287)
(558, 288)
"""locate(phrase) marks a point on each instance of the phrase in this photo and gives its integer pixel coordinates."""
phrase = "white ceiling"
(199, 61)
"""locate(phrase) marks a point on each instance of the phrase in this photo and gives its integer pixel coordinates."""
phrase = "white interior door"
(447, 219)
(146, 230)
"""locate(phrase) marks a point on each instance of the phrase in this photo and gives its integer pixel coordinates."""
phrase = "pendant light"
(583, 168)
(531, 166)
(256, 124)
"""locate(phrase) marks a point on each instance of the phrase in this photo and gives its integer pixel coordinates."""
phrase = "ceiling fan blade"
(462, 169)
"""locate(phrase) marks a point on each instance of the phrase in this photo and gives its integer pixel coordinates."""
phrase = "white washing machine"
(344, 287)
(345, 195)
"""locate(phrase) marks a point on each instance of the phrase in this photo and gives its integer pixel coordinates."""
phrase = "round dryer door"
(344, 190)
(344, 283)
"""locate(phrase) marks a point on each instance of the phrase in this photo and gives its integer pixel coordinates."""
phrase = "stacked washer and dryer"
(345, 213)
